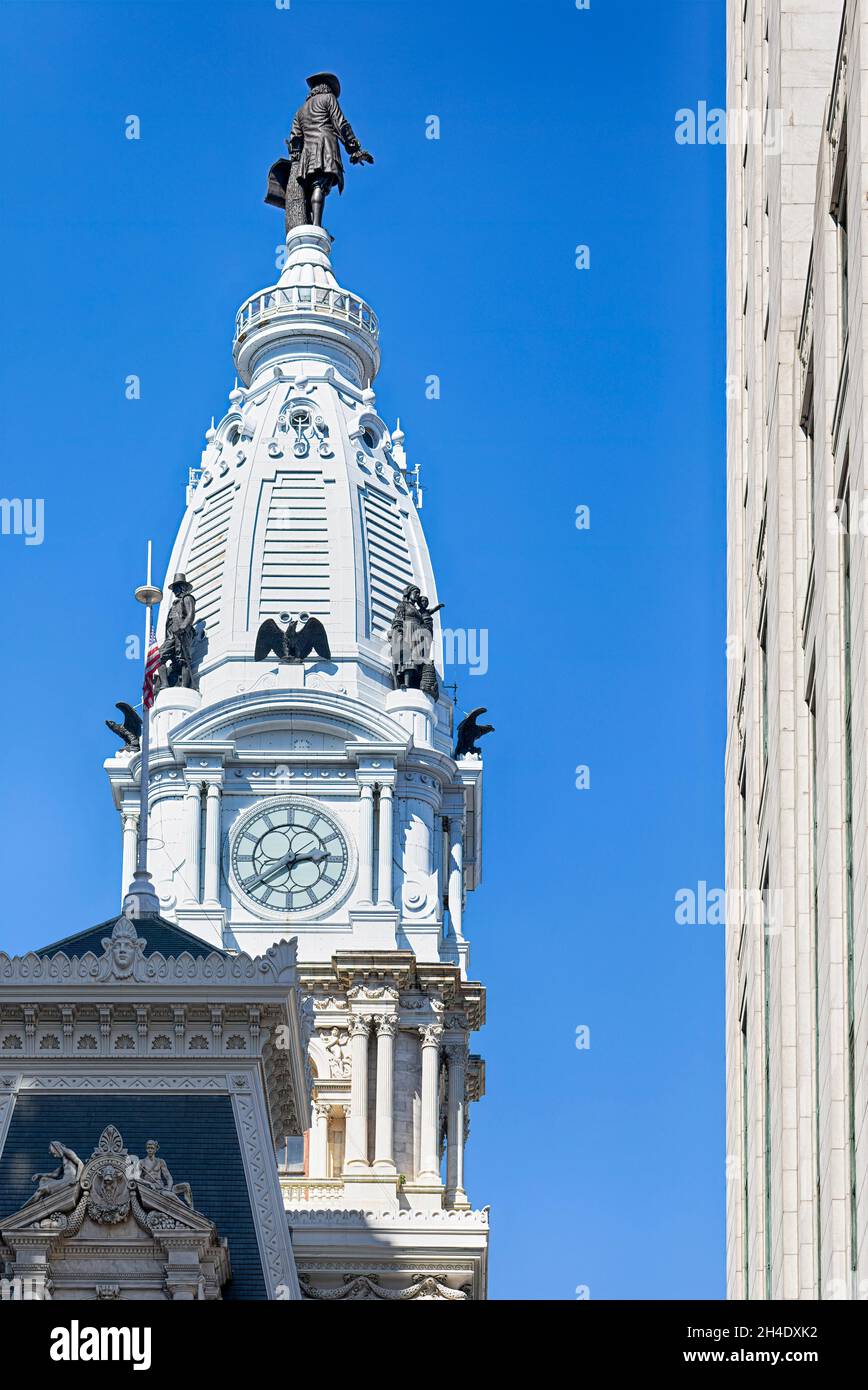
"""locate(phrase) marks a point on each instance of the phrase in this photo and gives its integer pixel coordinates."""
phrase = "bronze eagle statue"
(468, 732)
(295, 642)
(130, 732)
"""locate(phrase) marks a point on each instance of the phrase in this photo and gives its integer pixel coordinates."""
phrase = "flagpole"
(141, 900)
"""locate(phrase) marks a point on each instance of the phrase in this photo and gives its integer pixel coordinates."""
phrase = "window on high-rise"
(764, 691)
(811, 479)
(838, 210)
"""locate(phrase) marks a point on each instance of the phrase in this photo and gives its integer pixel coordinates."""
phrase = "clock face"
(289, 858)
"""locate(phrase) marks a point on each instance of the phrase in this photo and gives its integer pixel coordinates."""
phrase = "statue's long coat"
(321, 127)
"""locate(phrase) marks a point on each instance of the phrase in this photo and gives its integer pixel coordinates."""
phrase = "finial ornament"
(301, 183)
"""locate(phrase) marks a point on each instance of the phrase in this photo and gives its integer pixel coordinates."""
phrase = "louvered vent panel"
(207, 557)
(295, 560)
(389, 568)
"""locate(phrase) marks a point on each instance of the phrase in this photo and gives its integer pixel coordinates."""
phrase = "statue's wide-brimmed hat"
(328, 77)
(178, 581)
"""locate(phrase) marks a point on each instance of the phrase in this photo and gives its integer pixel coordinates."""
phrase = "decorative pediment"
(116, 1221)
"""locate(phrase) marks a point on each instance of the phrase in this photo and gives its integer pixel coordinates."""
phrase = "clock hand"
(286, 862)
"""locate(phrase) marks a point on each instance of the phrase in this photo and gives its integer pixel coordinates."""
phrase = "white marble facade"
(797, 748)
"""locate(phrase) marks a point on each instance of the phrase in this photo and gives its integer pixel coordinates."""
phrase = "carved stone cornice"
(473, 1220)
(277, 965)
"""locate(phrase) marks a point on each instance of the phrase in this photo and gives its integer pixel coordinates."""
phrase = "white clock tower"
(313, 800)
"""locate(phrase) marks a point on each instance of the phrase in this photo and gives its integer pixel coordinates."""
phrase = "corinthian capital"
(431, 1035)
(386, 1025)
(360, 1026)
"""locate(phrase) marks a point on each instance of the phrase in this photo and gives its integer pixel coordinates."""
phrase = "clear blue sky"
(560, 387)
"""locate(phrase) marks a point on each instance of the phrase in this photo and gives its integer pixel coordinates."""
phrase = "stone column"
(384, 868)
(384, 1156)
(366, 844)
(319, 1146)
(455, 882)
(456, 1055)
(130, 836)
(212, 843)
(357, 1122)
(193, 798)
(428, 1155)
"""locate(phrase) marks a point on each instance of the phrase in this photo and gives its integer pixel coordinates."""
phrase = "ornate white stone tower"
(314, 800)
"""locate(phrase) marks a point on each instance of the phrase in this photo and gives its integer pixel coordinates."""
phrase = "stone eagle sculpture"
(295, 642)
(469, 730)
(130, 732)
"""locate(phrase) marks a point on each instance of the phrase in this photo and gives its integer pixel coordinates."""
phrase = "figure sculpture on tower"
(301, 183)
(176, 652)
(411, 642)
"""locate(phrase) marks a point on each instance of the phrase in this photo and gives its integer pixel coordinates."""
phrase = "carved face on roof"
(123, 947)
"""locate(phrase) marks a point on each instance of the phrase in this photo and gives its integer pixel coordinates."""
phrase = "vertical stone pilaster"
(357, 1121)
(130, 824)
(428, 1158)
(193, 813)
(456, 1055)
(319, 1148)
(384, 1135)
(386, 830)
(212, 843)
(455, 880)
(366, 844)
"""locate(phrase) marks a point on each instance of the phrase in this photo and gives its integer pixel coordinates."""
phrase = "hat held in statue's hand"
(328, 77)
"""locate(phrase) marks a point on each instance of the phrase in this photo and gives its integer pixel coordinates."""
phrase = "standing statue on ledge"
(176, 653)
(301, 183)
(411, 642)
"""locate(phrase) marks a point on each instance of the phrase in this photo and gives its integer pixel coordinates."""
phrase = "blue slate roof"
(159, 935)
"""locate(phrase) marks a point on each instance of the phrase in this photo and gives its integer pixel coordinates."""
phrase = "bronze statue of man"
(302, 183)
(176, 652)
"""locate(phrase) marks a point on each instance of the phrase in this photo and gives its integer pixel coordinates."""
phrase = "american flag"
(152, 662)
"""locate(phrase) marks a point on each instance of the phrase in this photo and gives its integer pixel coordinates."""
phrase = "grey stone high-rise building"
(797, 629)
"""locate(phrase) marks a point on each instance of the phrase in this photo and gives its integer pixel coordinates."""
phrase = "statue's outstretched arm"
(345, 132)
